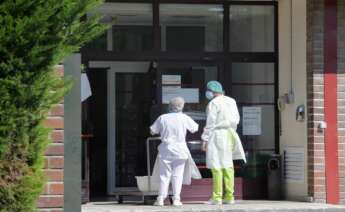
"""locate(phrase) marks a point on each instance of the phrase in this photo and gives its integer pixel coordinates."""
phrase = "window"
(191, 27)
(253, 85)
(132, 29)
(251, 28)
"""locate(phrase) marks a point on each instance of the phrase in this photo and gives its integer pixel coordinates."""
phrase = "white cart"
(145, 189)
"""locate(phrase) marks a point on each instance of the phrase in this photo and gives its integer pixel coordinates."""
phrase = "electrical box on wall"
(290, 97)
(286, 98)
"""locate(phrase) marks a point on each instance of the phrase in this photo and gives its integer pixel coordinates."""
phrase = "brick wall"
(51, 199)
(341, 96)
(315, 87)
(315, 67)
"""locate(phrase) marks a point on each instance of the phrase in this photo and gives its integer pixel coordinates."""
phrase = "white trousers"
(171, 170)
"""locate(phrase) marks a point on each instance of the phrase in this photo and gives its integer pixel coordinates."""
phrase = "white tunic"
(222, 114)
(172, 128)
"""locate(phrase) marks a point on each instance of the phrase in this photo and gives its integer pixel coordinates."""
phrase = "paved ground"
(240, 206)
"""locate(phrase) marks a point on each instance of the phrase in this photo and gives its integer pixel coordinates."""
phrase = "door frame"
(114, 67)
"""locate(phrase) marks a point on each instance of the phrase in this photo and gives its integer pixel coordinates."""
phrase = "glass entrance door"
(135, 109)
(131, 96)
(132, 121)
(253, 86)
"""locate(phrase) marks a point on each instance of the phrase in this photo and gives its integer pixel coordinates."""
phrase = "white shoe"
(228, 202)
(213, 202)
(177, 202)
(159, 202)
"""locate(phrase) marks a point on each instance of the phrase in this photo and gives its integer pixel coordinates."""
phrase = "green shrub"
(35, 35)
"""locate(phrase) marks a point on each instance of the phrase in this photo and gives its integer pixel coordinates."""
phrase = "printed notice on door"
(251, 121)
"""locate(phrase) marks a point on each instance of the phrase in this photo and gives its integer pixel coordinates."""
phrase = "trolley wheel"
(120, 199)
(149, 200)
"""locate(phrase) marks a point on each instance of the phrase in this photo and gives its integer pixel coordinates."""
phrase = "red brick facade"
(341, 97)
(51, 199)
(315, 87)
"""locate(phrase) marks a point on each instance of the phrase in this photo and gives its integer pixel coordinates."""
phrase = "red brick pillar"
(331, 101)
(341, 97)
(51, 199)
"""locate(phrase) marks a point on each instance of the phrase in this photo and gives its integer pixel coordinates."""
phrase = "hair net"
(215, 87)
(176, 104)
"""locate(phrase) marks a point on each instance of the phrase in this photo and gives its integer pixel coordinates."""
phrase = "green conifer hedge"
(35, 35)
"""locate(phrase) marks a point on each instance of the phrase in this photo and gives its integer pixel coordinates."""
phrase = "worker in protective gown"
(221, 142)
(174, 161)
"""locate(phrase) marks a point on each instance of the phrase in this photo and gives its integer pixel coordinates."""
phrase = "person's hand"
(204, 146)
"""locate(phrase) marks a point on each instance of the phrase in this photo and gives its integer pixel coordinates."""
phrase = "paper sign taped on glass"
(171, 79)
(190, 95)
(251, 121)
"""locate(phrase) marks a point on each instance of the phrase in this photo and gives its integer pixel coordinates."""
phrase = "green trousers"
(219, 176)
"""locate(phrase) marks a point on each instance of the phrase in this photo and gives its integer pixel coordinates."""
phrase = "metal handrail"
(148, 140)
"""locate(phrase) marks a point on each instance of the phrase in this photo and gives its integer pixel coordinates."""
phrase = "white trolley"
(145, 188)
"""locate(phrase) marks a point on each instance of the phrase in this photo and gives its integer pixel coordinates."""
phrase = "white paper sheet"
(171, 79)
(251, 121)
(190, 95)
(85, 87)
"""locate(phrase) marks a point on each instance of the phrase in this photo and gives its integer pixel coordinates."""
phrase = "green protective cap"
(215, 87)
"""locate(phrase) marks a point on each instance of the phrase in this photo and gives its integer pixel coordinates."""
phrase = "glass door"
(136, 109)
(254, 88)
(131, 102)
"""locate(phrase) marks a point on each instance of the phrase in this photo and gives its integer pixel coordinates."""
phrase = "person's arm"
(236, 116)
(156, 127)
(192, 126)
(210, 123)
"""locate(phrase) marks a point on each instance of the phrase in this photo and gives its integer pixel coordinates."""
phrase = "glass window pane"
(258, 149)
(191, 27)
(132, 29)
(253, 72)
(251, 28)
(253, 93)
(132, 38)
(264, 141)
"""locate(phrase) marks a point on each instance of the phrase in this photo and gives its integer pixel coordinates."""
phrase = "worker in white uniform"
(221, 142)
(173, 152)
